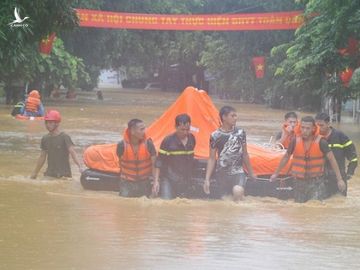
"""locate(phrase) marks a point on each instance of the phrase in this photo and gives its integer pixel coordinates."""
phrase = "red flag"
(351, 49)
(346, 75)
(352, 46)
(46, 44)
(259, 66)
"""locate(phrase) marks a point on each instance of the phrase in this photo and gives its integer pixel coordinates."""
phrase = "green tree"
(59, 68)
(19, 44)
(313, 63)
(146, 51)
(150, 52)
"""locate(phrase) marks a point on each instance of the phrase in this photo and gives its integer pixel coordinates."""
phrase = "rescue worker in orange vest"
(309, 151)
(288, 130)
(137, 156)
(33, 105)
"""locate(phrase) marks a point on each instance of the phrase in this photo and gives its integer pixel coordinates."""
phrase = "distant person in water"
(18, 108)
(99, 95)
(56, 147)
(228, 144)
(33, 105)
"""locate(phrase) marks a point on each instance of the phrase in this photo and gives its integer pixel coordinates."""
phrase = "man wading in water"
(343, 148)
(175, 162)
(137, 155)
(56, 146)
(309, 151)
(229, 143)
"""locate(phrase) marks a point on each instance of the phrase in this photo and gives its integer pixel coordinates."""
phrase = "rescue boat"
(103, 163)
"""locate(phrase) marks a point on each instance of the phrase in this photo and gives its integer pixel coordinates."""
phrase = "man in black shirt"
(175, 161)
(342, 147)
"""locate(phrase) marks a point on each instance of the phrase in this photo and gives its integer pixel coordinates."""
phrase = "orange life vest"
(289, 136)
(32, 104)
(135, 166)
(310, 163)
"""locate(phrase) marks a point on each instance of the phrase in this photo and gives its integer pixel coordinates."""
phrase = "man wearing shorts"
(228, 143)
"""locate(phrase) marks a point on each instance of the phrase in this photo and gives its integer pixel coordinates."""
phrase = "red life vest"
(310, 163)
(135, 166)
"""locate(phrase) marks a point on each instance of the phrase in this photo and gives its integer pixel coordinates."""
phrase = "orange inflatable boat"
(24, 117)
(103, 162)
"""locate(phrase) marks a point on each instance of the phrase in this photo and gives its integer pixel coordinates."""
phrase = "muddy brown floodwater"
(55, 224)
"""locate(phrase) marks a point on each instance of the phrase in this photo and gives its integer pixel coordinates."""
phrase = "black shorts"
(226, 182)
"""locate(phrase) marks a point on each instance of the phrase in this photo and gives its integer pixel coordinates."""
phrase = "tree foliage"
(18, 44)
(311, 63)
(60, 68)
(155, 51)
(300, 66)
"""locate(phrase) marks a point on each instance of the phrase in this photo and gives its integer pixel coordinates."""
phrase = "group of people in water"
(318, 154)
(32, 105)
(309, 142)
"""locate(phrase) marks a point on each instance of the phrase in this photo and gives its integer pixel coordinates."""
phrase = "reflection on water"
(55, 224)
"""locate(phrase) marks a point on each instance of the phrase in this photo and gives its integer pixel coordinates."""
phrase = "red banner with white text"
(204, 22)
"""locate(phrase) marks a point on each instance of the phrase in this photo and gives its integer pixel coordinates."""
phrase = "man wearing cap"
(56, 146)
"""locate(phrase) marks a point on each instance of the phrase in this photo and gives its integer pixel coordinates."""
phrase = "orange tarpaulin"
(205, 119)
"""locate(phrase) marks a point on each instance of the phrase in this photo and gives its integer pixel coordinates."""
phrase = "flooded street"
(56, 224)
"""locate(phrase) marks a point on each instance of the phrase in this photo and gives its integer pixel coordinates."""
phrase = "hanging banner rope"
(209, 22)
